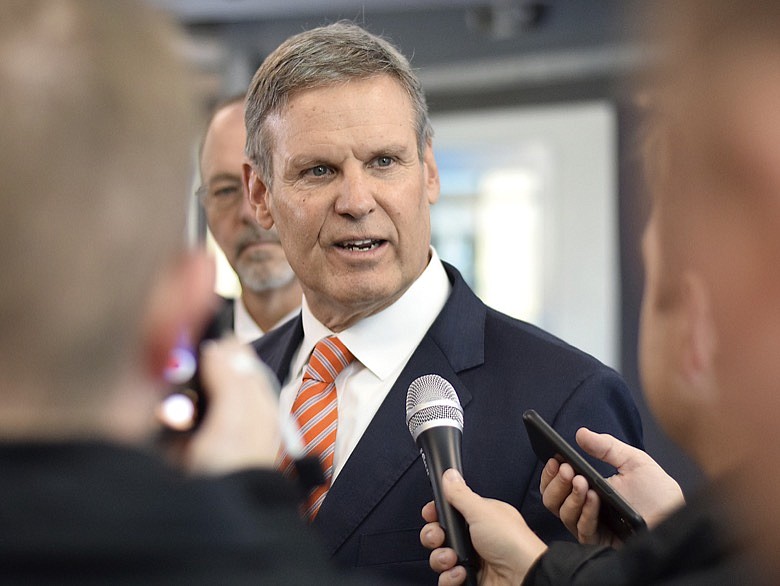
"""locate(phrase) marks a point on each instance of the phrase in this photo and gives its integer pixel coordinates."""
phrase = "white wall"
(529, 212)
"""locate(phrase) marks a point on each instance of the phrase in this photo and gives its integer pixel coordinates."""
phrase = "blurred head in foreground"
(96, 136)
(711, 311)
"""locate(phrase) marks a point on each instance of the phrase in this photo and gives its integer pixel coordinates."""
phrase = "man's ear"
(699, 339)
(431, 171)
(257, 192)
(181, 303)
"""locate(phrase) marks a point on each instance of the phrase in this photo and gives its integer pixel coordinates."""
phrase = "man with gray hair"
(270, 293)
(341, 163)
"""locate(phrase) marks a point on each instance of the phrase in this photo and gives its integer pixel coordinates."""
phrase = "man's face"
(676, 340)
(350, 197)
(254, 253)
(718, 221)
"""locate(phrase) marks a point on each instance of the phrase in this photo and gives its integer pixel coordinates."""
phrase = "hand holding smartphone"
(184, 407)
(615, 513)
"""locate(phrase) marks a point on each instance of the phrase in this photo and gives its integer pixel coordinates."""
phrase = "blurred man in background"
(270, 293)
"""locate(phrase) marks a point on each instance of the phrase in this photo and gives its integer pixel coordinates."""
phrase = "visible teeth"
(360, 245)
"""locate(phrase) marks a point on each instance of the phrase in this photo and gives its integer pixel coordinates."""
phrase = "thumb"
(459, 495)
(606, 448)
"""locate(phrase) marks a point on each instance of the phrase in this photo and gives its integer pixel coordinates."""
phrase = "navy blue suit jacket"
(499, 367)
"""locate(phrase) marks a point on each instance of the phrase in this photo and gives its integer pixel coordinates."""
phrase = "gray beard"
(259, 278)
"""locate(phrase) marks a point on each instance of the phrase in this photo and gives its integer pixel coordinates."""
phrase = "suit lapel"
(277, 347)
(386, 450)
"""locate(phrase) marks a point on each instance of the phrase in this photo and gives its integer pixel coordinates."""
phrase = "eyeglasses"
(220, 194)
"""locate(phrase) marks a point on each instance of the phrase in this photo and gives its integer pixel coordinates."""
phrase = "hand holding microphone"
(507, 547)
(435, 420)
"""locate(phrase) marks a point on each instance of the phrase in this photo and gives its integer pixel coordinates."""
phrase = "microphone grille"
(431, 401)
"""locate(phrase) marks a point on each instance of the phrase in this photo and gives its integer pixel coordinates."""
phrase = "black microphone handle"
(441, 450)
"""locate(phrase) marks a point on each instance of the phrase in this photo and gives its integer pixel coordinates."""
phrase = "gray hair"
(321, 57)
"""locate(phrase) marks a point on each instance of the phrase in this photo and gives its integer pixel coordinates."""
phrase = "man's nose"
(355, 193)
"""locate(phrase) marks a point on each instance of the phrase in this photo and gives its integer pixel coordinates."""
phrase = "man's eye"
(384, 161)
(319, 171)
(227, 191)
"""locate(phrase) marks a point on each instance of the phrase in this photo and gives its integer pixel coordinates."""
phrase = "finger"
(239, 386)
(473, 507)
(227, 363)
(432, 536)
(588, 525)
(606, 448)
(459, 495)
(580, 484)
(549, 472)
(429, 512)
(453, 577)
(240, 429)
(567, 471)
(442, 559)
(558, 489)
(571, 508)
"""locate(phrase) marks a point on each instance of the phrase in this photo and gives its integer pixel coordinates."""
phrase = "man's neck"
(122, 413)
(267, 308)
(338, 316)
(718, 445)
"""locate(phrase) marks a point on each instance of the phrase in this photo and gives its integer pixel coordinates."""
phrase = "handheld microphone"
(435, 420)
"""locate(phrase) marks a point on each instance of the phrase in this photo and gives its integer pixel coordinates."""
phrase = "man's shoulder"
(508, 342)
(524, 350)
(280, 334)
(248, 533)
(512, 332)
(693, 546)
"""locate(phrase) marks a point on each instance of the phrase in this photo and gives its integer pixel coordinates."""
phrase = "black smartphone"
(615, 511)
(183, 408)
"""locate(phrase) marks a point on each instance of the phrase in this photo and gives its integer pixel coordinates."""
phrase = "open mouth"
(360, 245)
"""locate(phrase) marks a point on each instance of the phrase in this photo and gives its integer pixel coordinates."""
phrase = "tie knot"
(329, 358)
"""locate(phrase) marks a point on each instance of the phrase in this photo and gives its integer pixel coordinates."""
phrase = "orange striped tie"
(316, 410)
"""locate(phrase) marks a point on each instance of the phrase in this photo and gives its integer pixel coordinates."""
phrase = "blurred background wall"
(535, 126)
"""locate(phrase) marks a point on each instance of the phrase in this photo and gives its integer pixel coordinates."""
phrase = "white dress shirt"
(382, 345)
(245, 328)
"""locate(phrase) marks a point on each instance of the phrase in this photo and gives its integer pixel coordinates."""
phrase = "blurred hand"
(639, 479)
(240, 429)
(507, 546)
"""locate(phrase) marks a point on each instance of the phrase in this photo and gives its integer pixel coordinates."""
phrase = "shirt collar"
(400, 327)
(245, 327)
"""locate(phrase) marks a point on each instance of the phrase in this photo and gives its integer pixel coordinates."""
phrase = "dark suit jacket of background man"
(499, 367)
